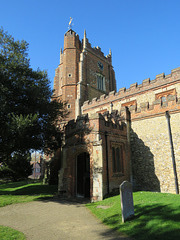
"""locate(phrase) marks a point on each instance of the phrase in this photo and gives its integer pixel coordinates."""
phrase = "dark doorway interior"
(83, 175)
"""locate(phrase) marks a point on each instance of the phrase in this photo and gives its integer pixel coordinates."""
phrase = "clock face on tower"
(100, 65)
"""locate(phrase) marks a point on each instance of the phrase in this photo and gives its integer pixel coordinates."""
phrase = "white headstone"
(127, 206)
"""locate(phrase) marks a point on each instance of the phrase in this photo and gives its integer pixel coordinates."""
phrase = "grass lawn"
(24, 191)
(19, 192)
(7, 233)
(157, 216)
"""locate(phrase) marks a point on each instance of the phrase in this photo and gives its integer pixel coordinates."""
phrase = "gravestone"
(127, 206)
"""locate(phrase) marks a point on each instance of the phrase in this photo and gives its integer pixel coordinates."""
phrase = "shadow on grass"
(35, 189)
(15, 184)
(112, 234)
(155, 222)
(22, 188)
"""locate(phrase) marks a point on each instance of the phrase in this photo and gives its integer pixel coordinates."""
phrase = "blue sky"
(144, 35)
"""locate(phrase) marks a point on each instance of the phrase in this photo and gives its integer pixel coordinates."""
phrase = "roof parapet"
(160, 76)
(135, 88)
(146, 82)
(156, 108)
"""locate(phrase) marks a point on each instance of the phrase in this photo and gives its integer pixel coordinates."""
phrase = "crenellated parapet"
(103, 122)
(71, 40)
(96, 50)
(77, 125)
(113, 120)
(124, 94)
(157, 108)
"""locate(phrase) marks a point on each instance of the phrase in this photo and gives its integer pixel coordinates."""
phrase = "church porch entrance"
(83, 175)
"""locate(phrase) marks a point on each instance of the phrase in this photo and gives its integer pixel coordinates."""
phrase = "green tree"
(17, 167)
(28, 118)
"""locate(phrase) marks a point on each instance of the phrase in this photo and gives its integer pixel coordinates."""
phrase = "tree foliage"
(17, 167)
(28, 118)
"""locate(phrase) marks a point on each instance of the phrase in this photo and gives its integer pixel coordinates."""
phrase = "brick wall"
(145, 92)
(76, 82)
(88, 135)
(76, 76)
(150, 147)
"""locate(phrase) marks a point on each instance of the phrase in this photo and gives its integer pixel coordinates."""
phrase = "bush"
(5, 172)
(17, 167)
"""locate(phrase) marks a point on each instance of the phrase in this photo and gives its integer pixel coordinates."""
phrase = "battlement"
(78, 123)
(147, 84)
(77, 42)
(71, 40)
(158, 107)
(111, 120)
(106, 120)
(114, 120)
(96, 50)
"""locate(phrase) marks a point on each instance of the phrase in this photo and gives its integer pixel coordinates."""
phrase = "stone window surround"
(117, 167)
(130, 103)
(100, 82)
(165, 94)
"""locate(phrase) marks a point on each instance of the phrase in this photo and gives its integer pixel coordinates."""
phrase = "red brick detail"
(165, 93)
(128, 104)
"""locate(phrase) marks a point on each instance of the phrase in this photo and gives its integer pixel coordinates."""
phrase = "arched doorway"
(83, 175)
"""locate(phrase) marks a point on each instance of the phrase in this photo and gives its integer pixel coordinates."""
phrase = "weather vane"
(70, 23)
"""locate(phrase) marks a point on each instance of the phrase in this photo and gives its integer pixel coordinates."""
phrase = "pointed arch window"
(101, 82)
(117, 159)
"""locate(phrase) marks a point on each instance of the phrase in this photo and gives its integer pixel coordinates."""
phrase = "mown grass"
(7, 233)
(21, 192)
(157, 216)
(24, 191)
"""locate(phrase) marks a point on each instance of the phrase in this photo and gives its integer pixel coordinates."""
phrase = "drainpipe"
(128, 123)
(172, 152)
(107, 168)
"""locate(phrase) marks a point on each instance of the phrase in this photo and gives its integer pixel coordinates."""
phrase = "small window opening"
(68, 106)
(117, 159)
(163, 99)
(100, 82)
(69, 75)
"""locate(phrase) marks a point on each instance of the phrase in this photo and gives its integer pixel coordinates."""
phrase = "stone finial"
(109, 56)
(84, 41)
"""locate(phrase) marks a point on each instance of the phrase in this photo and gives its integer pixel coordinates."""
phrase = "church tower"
(83, 73)
(67, 75)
